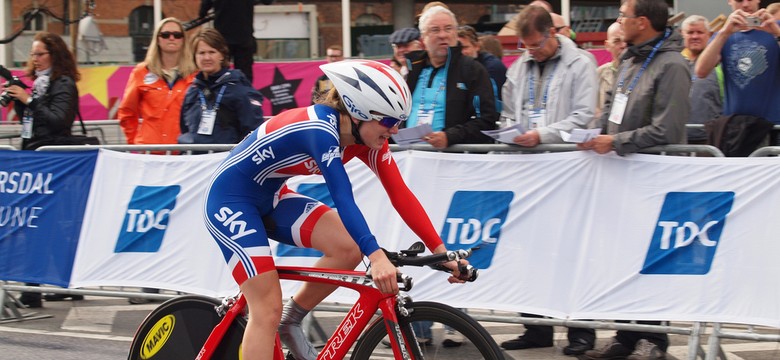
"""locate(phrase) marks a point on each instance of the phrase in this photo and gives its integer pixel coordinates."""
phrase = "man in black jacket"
(451, 92)
(233, 19)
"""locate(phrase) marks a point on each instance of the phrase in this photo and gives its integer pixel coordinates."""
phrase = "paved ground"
(101, 328)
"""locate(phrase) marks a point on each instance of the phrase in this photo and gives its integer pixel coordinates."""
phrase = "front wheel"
(178, 328)
(477, 342)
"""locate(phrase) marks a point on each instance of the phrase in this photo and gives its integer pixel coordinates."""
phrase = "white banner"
(144, 226)
(569, 235)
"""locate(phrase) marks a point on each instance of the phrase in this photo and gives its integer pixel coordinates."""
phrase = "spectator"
(156, 87)
(451, 92)
(751, 62)
(491, 44)
(649, 106)
(469, 44)
(234, 20)
(608, 71)
(774, 10)
(155, 93)
(322, 85)
(510, 30)
(48, 111)
(706, 100)
(563, 29)
(550, 88)
(403, 41)
(221, 106)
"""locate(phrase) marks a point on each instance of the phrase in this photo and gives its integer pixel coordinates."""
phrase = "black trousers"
(243, 57)
(543, 334)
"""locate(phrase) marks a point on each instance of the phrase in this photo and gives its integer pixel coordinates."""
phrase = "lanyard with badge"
(621, 99)
(537, 115)
(209, 116)
(27, 120)
(425, 116)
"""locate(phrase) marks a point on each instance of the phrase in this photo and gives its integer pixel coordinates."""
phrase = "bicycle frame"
(357, 319)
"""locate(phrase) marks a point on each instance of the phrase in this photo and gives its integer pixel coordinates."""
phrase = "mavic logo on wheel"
(687, 233)
(474, 219)
(157, 336)
(146, 218)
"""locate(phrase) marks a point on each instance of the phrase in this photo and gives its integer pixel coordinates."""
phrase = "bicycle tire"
(479, 343)
(178, 328)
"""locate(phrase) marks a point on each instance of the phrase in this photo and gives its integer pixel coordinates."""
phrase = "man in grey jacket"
(552, 86)
(649, 104)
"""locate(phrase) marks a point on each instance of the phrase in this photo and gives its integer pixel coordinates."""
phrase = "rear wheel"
(477, 342)
(178, 328)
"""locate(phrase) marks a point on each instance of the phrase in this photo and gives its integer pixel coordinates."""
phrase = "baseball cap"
(405, 35)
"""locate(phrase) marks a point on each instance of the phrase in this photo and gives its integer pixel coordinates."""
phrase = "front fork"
(401, 333)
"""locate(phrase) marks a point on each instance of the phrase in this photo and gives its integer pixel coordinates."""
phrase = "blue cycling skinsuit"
(247, 201)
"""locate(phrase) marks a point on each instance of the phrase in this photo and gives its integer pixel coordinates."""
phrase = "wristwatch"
(29, 100)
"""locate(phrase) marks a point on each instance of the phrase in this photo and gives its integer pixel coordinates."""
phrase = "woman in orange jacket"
(156, 87)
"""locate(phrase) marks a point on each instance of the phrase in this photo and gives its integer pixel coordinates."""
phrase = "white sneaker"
(452, 338)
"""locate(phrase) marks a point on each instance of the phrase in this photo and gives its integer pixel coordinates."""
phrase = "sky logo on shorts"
(687, 233)
(146, 218)
(474, 219)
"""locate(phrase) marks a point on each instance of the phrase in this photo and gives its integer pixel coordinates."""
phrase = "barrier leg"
(713, 344)
(694, 342)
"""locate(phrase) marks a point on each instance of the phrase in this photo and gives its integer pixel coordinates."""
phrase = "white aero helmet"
(370, 90)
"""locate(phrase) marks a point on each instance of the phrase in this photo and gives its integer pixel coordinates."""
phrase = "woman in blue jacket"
(221, 106)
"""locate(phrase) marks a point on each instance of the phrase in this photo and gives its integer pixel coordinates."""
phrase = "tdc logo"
(146, 218)
(475, 219)
(687, 233)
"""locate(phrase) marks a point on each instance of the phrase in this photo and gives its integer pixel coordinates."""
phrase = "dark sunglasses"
(167, 34)
(388, 122)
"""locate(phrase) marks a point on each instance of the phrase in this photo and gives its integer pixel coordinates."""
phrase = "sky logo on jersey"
(333, 153)
(475, 219)
(147, 218)
(687, 233)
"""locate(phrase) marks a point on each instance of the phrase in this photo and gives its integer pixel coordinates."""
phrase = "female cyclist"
(247, 201)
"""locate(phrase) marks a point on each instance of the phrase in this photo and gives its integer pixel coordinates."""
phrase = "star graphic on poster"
(281, 93)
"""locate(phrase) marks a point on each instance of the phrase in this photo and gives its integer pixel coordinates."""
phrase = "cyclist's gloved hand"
(383, 272)
(458, 276)
(453, 266)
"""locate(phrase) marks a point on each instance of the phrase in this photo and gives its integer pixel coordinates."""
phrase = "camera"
(5, 97)
(753, 21)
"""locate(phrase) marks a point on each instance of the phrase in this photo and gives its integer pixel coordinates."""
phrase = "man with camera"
(748, 46)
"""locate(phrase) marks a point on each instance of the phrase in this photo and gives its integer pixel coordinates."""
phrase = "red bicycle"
(198, 327)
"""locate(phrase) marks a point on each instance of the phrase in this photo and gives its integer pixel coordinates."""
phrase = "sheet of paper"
(505, 135)
(413, 135)
(580, 135)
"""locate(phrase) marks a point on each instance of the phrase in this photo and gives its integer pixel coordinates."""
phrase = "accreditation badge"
(618, 108)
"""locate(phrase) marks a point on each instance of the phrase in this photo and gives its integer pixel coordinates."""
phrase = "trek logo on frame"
(687, 233)
(146, 218)
(474, 219)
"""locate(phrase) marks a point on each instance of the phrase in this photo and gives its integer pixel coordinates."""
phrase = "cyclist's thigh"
(293, 219)
(236, 225)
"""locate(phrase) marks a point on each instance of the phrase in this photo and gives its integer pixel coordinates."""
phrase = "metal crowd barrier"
(766, 151)
(694, 332)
